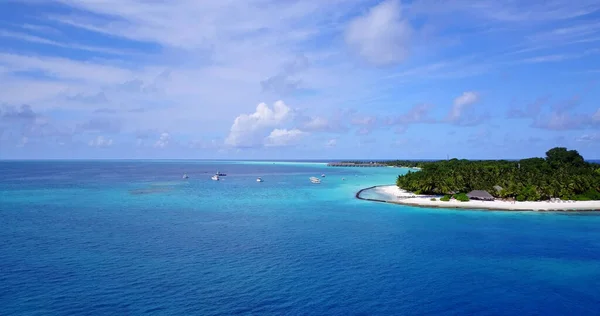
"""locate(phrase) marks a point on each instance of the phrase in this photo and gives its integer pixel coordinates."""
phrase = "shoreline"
(394, 195)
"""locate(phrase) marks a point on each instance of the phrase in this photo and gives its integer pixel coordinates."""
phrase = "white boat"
(315, 180)
(259, 179)
(185, 176)
(215, 177)
(323, 175)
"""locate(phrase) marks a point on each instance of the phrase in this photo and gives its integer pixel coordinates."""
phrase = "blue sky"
(291, 79)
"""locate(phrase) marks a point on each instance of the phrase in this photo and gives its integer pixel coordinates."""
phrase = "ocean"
(134, 238)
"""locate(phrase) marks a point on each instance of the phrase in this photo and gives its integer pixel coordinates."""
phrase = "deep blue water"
(132, 237)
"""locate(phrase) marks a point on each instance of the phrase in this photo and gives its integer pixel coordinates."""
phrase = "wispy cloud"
(560, 57)
(531, 110)
(66, 69)
(572, 33)
(560, 115)
(562, 121)
(39, 28)
(508, 11)
(419, 113)
(168, 23)
(41, 40)
(587, 138)
(461, 104)
(284, 82)
(101, 125)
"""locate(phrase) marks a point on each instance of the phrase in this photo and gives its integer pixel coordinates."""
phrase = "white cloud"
(589, 138)
(336, 123)
(317, 123)
(467, 98)
(163, 141)
(417, 114)
(365, 121)
(285, 81)
(283, 137)
(23, 142)
(363, 131)
(202, 144)
(100, 141)
(596, 117)
(461, 103)
(248, 129)
(381, 36)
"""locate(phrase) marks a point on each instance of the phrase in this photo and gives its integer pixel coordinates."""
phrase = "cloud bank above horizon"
(298, 79)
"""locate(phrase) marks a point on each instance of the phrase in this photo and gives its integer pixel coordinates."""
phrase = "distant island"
(562, 180)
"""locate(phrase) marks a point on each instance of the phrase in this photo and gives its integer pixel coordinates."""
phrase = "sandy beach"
(393, 194)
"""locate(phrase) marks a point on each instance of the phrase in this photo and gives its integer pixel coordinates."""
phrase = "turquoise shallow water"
(132, 237)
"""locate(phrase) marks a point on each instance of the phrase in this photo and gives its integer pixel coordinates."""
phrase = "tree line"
(561, 174)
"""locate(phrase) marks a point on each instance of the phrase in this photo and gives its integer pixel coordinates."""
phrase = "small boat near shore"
(220, 174)
(323, 176)
(185, 176)
(315, 180)
(259, 179)
(215, 177)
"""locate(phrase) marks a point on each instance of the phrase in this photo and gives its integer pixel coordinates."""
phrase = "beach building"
(480, 195)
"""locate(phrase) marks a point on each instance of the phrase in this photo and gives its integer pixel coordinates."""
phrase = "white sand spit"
(395, 195)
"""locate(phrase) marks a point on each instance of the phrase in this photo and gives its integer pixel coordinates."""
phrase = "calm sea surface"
(133, 237)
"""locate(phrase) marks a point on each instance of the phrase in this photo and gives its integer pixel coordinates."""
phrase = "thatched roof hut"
(480, 195)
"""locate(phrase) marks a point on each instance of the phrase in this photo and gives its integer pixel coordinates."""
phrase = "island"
(562, 180)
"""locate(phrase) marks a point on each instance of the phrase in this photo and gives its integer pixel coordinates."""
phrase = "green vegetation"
(561, 174)
(461, 197)
(445, 198)
(433, 199)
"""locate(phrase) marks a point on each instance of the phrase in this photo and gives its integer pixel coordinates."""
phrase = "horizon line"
(266, 159)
